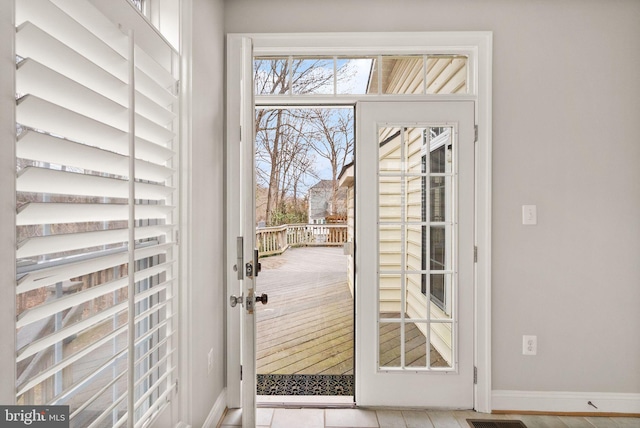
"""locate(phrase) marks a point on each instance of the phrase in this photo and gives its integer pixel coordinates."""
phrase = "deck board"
(307, 326)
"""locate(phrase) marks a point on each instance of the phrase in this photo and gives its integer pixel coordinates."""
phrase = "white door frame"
(478, 47)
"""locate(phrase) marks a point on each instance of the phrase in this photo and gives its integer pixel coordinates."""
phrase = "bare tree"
(332, 138)
(284, 156)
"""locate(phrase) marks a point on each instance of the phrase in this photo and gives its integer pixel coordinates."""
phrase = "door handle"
(263, 298)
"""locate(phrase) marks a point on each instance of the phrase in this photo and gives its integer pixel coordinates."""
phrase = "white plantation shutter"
(96, 214)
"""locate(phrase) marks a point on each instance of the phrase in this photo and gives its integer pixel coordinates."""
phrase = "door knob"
(263, 298)
(233, 301)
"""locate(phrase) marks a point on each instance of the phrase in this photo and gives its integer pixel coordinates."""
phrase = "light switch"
(529, 214)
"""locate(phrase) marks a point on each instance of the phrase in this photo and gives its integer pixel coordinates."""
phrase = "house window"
(96, 257)
(434, 212)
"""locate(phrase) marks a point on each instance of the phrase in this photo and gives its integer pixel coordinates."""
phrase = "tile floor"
(362, 418)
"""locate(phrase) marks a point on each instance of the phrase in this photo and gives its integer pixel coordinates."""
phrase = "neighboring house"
(321, 209)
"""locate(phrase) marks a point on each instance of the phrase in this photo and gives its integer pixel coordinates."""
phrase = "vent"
(490, 423)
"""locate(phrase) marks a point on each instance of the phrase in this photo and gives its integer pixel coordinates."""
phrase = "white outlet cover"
(529, 214)
(529, 345)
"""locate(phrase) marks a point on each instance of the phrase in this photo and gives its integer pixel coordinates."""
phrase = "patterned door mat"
(279, 384)
(495, 423)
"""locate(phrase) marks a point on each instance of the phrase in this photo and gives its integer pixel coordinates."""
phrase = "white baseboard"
(217, 411)
(570, 402)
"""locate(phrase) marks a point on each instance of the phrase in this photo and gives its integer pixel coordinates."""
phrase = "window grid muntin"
(451, 320)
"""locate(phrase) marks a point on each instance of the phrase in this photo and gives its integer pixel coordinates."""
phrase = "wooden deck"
(307, 327)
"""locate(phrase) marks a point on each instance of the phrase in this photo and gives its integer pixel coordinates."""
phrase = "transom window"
(366, 75)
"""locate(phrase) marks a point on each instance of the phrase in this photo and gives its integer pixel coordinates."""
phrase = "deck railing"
(275, 240)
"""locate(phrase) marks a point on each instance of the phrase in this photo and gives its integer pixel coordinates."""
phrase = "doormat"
(278, 384)
(495, 423)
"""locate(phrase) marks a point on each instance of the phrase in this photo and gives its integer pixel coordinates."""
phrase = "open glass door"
(415, 258)
(242, 258)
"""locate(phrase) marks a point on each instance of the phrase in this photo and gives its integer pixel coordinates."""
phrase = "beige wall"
(566, 103)
(206, 213)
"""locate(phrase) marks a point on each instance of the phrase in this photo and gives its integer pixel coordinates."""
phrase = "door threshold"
(307, 401)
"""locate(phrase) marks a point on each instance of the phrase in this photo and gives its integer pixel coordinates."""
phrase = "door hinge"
(475, 254)
(177, 87)
(241, 133)
(177, 237)
(475, 136)
(177, 385)
(475, 375)
(240, 372)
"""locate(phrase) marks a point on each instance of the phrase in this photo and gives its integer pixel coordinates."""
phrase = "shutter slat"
(70, 360)
(149, 413)
(70, 33)
(54, 244)
(32, 42)
(147, 273)
(58, 305)
(42, 344)
(40, 180)
(51, 213)
(52, 275)
(153, 290)
(36, 79)
(47, 148)
(104, 30)
(40, 114)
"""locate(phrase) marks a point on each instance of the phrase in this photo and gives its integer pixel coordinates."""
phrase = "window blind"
(97, 150)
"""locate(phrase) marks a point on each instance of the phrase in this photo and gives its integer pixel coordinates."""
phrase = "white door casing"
(477, 46)
(406, 385)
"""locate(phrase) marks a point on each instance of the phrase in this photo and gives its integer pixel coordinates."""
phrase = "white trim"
(570, 402)
(476, 44)
(217, 411)
(182, 425)
(185, 298)
(7, 204)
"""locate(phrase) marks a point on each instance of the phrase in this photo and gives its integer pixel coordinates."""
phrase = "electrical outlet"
(529, 345)
(210, 360)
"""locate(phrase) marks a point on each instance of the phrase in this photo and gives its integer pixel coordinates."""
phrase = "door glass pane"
(415, 345)
(447, 74)
(390, 295)
(441, 341)
(312, 76)
(403, 74)
(390, 153)
(271, 76)
(389, 344)
(415, 265)
(390, 247)
(352, 75)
